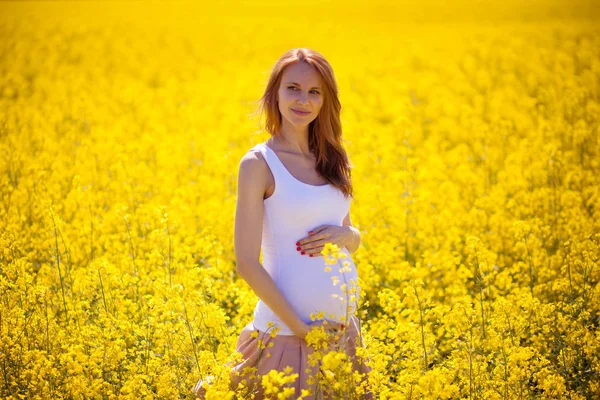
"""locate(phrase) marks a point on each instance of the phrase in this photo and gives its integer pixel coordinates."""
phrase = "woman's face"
(300, 94)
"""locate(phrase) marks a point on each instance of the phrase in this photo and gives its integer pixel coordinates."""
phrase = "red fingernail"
(302, 253)
(297, 248)
(297, 243)
(311, 255)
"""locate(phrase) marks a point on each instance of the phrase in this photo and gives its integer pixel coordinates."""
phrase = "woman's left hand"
(313, 244)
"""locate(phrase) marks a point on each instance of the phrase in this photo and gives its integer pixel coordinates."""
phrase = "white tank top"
(290, 212)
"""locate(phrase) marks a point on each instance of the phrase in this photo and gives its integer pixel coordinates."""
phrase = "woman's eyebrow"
(297, 84)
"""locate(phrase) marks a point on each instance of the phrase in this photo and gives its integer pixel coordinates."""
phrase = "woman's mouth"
(300, 112)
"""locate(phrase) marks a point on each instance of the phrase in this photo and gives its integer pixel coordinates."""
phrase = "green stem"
(422, 329)
(57, 255)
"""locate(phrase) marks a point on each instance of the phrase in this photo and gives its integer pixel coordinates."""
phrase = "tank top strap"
(277, 168)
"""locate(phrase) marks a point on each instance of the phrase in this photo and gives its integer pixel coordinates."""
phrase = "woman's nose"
(303, 99)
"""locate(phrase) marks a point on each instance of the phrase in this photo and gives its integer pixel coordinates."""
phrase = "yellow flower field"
(473, 129)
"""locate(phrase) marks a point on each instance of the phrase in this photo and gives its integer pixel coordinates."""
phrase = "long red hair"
(325, 132)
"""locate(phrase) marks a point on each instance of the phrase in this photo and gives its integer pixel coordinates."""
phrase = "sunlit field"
(473, 131)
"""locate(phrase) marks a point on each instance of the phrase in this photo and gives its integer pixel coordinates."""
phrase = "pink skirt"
(279, 352)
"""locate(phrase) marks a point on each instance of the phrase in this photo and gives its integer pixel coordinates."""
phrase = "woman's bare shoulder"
(253, 160)
(253, 167)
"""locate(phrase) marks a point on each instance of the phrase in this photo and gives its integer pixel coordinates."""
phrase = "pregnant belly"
(310, 289)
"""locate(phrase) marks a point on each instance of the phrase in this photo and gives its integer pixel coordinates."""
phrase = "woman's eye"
(294, 87)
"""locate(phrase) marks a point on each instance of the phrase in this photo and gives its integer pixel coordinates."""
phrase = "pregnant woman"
(294, 193)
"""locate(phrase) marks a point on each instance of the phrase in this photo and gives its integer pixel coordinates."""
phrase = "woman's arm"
(355, 238)
(252, 180)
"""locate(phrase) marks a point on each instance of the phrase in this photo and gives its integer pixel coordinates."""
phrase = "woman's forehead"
(301, 73)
